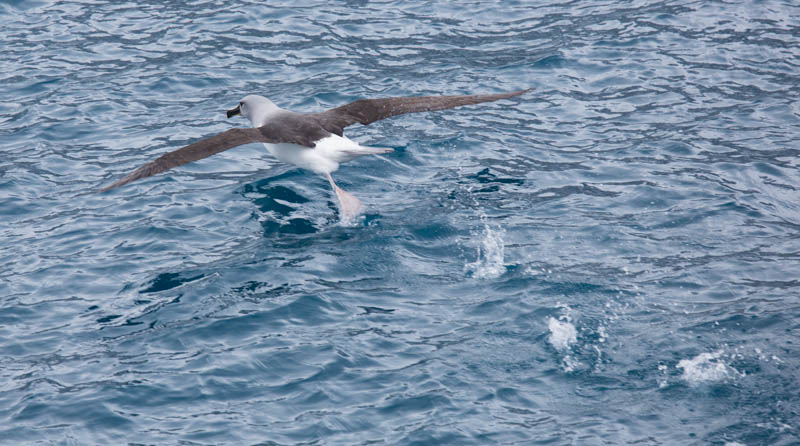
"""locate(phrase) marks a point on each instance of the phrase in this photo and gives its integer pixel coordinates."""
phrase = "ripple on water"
(608, 259)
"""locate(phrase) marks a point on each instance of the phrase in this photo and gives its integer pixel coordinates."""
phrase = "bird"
(312, 141)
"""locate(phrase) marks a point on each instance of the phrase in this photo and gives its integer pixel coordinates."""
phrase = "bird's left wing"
(367, 111)
(195, 151)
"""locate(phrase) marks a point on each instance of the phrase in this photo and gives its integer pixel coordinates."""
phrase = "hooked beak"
(234, 111)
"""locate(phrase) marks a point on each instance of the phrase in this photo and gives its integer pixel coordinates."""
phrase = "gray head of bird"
(255, 108)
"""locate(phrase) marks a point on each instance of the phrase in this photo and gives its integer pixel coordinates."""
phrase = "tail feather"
(368, 150)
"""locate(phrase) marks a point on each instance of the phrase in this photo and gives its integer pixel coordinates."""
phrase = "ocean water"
(613, 258)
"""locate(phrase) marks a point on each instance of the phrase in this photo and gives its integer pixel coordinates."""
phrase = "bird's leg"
(349, 206)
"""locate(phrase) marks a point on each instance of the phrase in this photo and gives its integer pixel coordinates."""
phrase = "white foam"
(490, 262)
(705, 368)
(570, 364)
(664, 373)
(562, 333)
(601, 333)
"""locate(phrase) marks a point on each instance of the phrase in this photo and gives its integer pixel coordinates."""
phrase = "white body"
(323, 158)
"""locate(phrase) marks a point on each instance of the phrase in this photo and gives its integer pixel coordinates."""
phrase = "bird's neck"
(263, 115)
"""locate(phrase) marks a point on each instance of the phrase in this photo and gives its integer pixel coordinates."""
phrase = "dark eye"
(241, 103)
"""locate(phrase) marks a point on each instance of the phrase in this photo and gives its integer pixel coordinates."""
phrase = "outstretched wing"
(366, 111)
(193, 152)
(293, 128)
(287, 127)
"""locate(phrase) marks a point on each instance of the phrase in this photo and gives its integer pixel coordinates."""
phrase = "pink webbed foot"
(349, 206)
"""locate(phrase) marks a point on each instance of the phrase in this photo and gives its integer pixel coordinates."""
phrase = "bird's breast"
(308, 158)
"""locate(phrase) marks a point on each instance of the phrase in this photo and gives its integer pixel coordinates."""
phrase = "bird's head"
(255, 108)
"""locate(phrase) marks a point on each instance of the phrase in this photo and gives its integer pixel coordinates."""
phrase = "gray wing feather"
(193, 152)
(298, 129)
(367, 111)
(295, 128)
(286, 128)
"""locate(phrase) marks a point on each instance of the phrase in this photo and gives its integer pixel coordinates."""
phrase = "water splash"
(706, 368)
(562, 333)
(351, 220)
(491, 252)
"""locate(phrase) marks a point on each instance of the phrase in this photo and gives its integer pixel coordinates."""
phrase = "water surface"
(610, 259)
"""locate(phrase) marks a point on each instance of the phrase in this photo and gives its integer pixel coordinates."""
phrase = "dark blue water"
(613, 258)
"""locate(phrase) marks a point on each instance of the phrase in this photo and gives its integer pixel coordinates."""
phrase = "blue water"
(611, 259)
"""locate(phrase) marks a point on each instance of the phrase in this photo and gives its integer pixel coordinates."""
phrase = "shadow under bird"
(312, 141)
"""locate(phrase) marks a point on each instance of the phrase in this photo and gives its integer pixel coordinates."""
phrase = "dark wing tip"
(113, 185)
(515, 93)
(142, 172)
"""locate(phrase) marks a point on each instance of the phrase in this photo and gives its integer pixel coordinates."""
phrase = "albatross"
(312, 141)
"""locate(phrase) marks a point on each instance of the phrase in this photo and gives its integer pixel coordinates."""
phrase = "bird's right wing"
(367, 111)
(286, 127)
(193, 152)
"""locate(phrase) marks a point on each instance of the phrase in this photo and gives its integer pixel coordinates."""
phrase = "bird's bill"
(234, 111)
